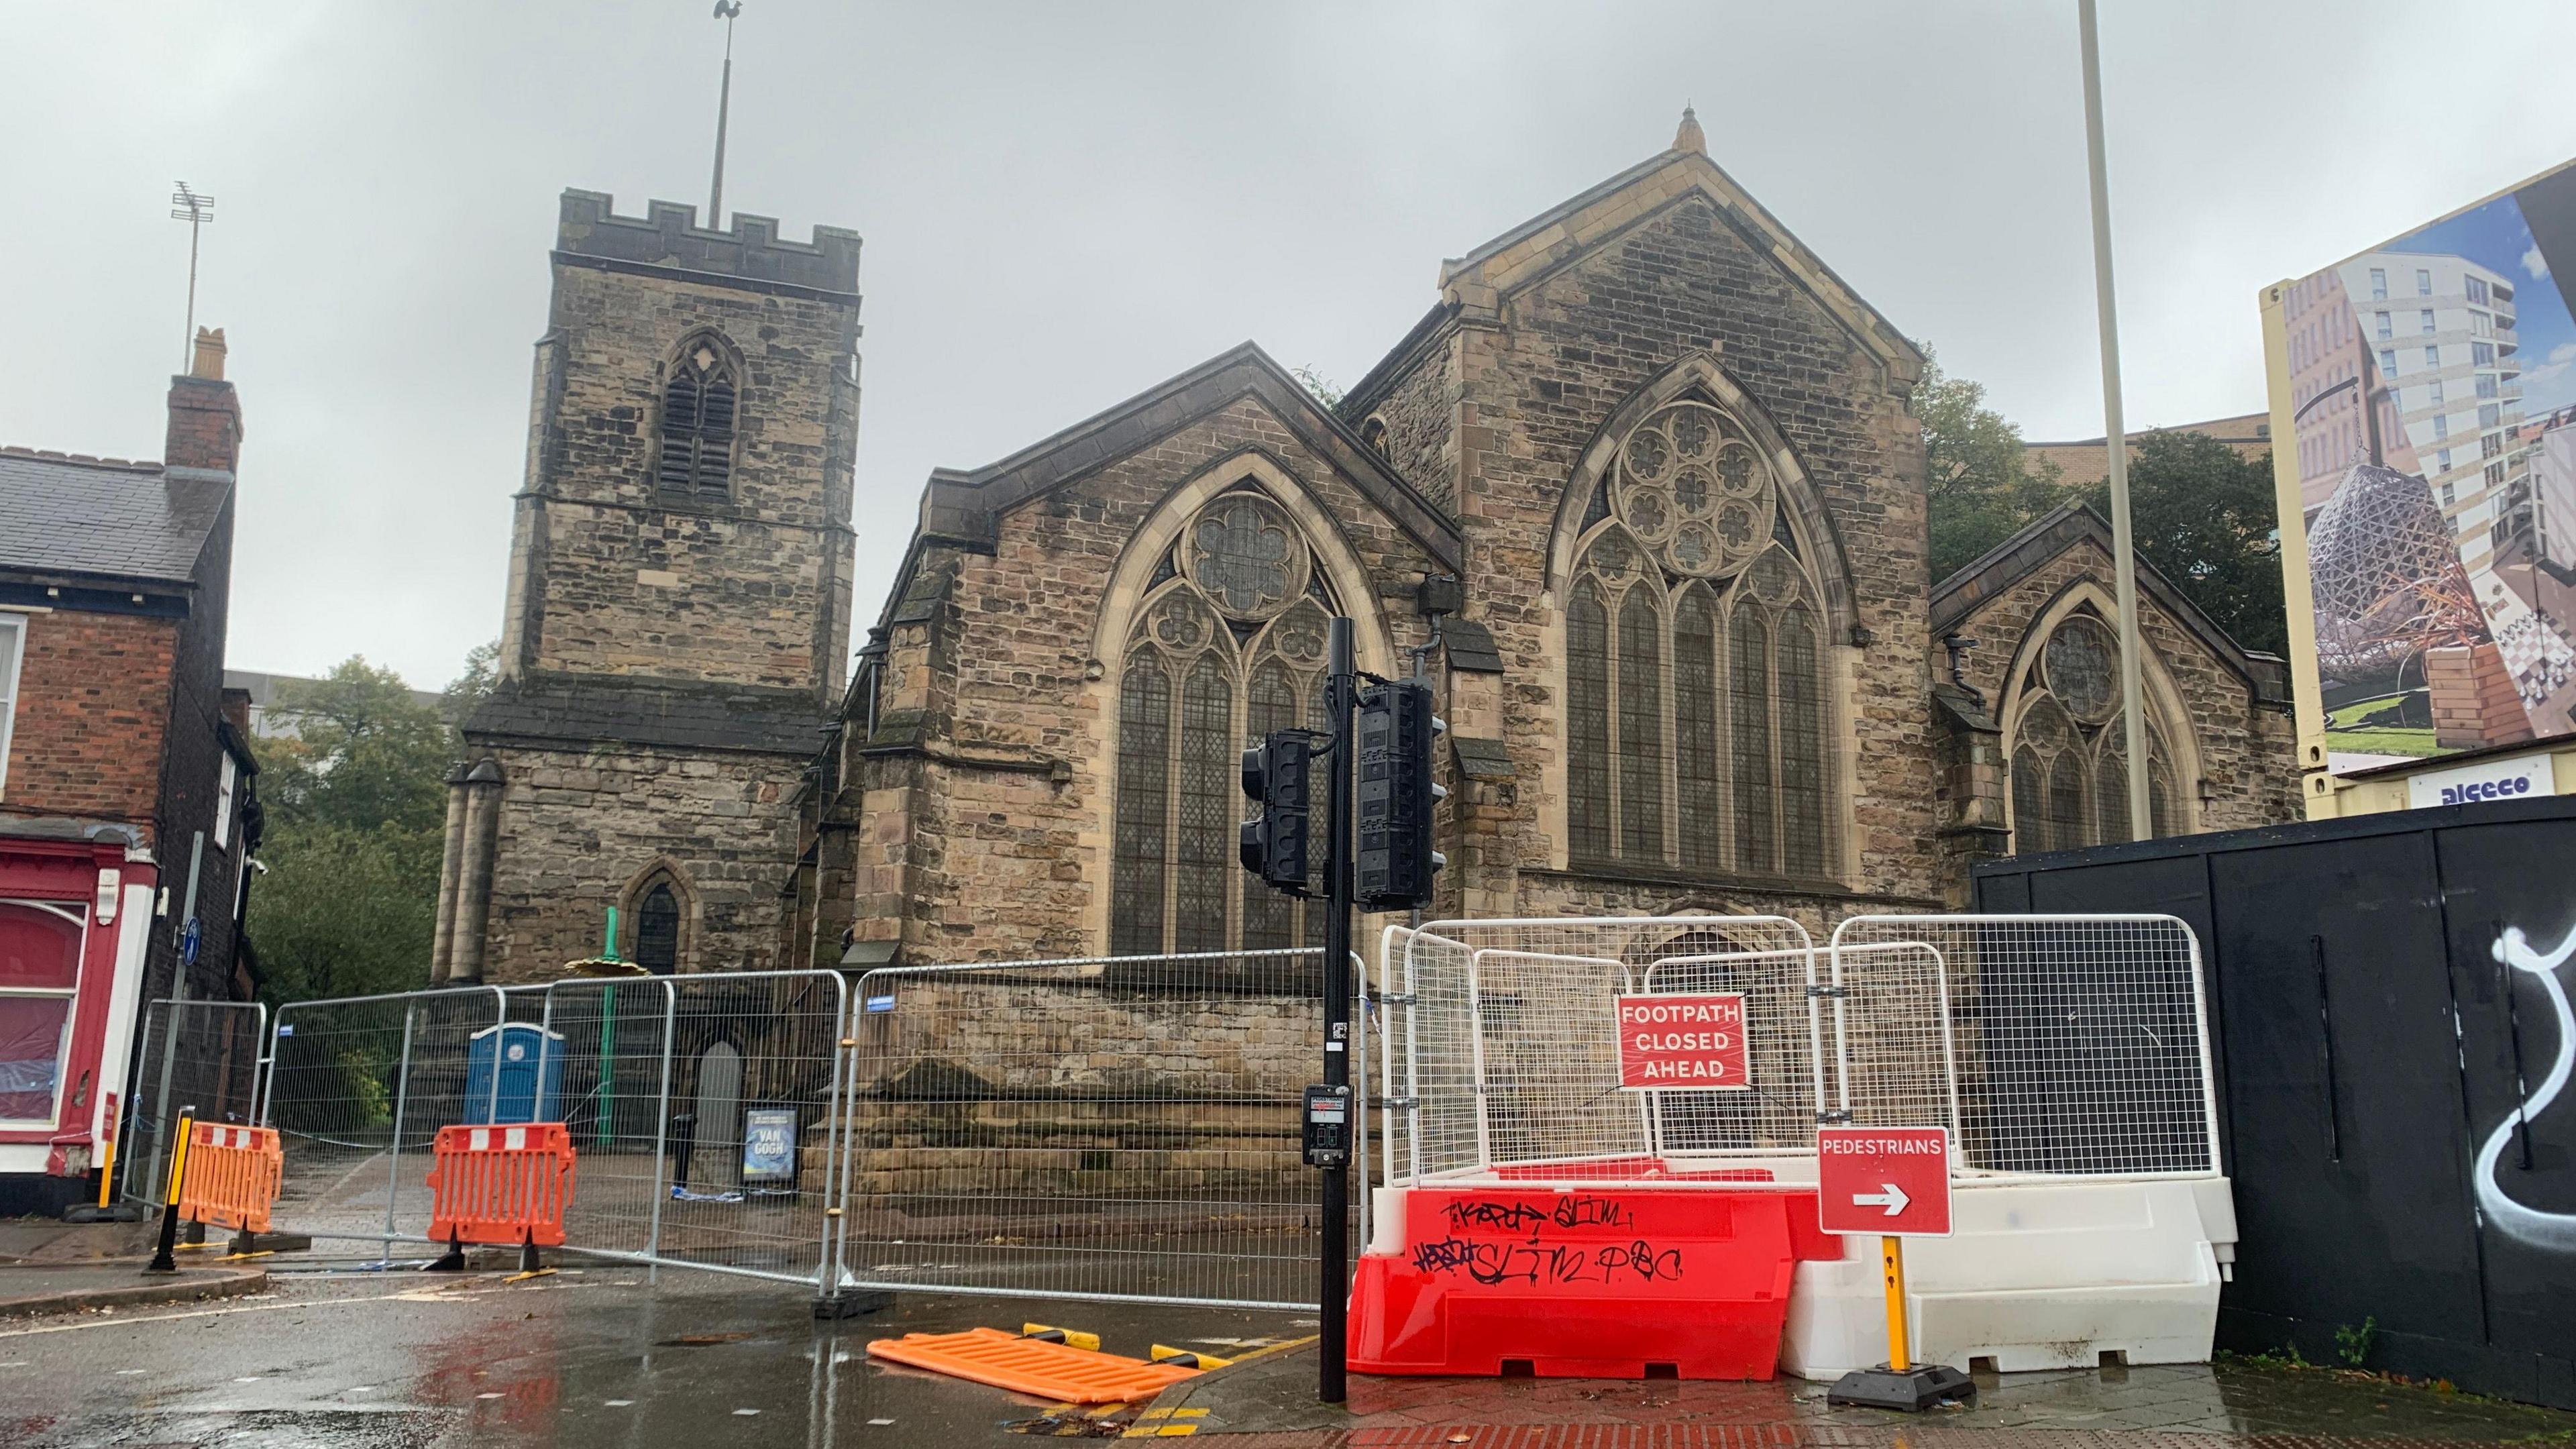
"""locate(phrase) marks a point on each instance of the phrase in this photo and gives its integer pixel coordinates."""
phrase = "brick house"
(126, 804)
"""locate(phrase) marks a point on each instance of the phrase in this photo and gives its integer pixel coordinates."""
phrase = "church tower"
(677, 614)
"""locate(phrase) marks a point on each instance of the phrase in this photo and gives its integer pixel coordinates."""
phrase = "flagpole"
(2115, 439)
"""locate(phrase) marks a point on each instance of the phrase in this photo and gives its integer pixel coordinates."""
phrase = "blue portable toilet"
(529, 1061)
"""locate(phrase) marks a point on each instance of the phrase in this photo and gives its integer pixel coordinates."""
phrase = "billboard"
(2424, 399)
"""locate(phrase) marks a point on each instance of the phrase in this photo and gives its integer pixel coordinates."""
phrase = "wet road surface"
(595, 1357)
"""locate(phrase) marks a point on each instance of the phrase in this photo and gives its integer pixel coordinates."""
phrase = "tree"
(471, 688)
(1982, 483)
(356, 828)
(2204, 515)
(365, 751)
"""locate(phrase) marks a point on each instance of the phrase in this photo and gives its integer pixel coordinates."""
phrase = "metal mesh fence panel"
(1501, 1040)
(705, 1110)
(1783, 1030)
(200, 1054)
(357, 1089)
(1102, 1127)
(1892, 1060)
(2078, 1044)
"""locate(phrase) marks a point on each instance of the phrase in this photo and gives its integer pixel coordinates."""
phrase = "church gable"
(2017, 576)
(1084, 633)
(1545, 245)
(965, 506)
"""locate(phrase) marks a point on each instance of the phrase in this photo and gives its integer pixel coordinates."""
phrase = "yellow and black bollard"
(165, 1257)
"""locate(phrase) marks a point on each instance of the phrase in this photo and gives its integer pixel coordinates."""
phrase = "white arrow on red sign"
(1893, 1199)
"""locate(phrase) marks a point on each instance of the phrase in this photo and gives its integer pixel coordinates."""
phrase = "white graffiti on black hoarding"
(2548, 1230)
(1492, 1263)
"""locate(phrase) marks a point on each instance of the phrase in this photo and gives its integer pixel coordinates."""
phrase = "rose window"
(2082, 666)
(1693, 492)
(1244, 555)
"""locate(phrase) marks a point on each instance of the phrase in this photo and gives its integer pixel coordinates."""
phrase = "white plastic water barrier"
(2037, 1275)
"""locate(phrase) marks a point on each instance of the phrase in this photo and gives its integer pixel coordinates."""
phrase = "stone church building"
(1640, 493)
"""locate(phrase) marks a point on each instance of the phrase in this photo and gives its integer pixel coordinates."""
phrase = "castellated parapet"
(668, 235)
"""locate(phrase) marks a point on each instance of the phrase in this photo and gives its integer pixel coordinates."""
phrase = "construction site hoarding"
(2422, 393)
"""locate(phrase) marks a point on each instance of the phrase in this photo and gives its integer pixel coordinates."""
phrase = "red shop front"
(75, 917)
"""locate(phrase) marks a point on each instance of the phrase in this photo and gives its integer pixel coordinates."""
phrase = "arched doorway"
(717, 1159)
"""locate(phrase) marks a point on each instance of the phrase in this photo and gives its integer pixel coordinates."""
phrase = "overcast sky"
(1065, 203)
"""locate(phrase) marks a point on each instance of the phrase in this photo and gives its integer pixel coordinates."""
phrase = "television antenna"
(199, 213)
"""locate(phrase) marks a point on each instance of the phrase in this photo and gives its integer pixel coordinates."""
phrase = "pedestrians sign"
(1675, 1043)
(1891, 1181)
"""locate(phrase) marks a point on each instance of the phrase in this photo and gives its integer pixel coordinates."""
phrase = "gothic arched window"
(657, 930)
(1228, 647)
(2070, 772)
(1699, 736)
(699, 398)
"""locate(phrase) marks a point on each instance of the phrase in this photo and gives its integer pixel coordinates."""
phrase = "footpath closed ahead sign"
(1892, 1181)
(1683, 1043)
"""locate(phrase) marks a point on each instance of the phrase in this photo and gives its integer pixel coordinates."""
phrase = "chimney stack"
(205, 417)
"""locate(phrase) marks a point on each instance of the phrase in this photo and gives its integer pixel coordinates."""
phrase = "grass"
(2353, 714)
(2383, 742)
(2345, 731)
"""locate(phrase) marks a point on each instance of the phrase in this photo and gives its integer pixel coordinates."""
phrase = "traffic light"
(1395, 796)
(1275, 773)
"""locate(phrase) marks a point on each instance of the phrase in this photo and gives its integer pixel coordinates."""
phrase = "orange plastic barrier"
(232, 1176)
(501, 1185)
(1057, 1371)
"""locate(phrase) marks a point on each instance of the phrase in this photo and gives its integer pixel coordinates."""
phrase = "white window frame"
(13, 652)
(226, 777)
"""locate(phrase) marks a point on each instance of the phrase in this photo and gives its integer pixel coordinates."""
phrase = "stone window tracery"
(1699, 734)
(2069, 759)
(699, 406)
(1228, 646)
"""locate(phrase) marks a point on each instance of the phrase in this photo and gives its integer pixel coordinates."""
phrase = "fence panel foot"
(853, 1303)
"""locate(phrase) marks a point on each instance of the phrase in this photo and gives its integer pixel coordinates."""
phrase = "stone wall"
(610, 574)
(1420, 414)
(581, 826)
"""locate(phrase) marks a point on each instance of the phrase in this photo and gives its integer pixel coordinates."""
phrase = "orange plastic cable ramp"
(501, 1185)
(232, 1176)
(1056, 1371)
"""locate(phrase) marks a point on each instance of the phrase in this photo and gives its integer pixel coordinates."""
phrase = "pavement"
(343, 1354)
(1268, 1402)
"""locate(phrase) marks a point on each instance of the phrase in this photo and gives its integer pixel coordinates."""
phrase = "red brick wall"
(93, 702)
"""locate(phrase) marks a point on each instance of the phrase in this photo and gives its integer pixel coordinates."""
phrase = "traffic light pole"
(1341, 692)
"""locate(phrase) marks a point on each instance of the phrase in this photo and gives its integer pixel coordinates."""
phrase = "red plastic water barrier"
(502, 1185)
(1589, 1283)
(232, 1176)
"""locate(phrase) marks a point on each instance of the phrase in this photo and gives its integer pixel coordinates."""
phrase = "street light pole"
(2115, 433)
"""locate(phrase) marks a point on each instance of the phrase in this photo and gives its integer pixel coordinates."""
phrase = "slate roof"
(580, 710)
(68, 514)
(1471, 646)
